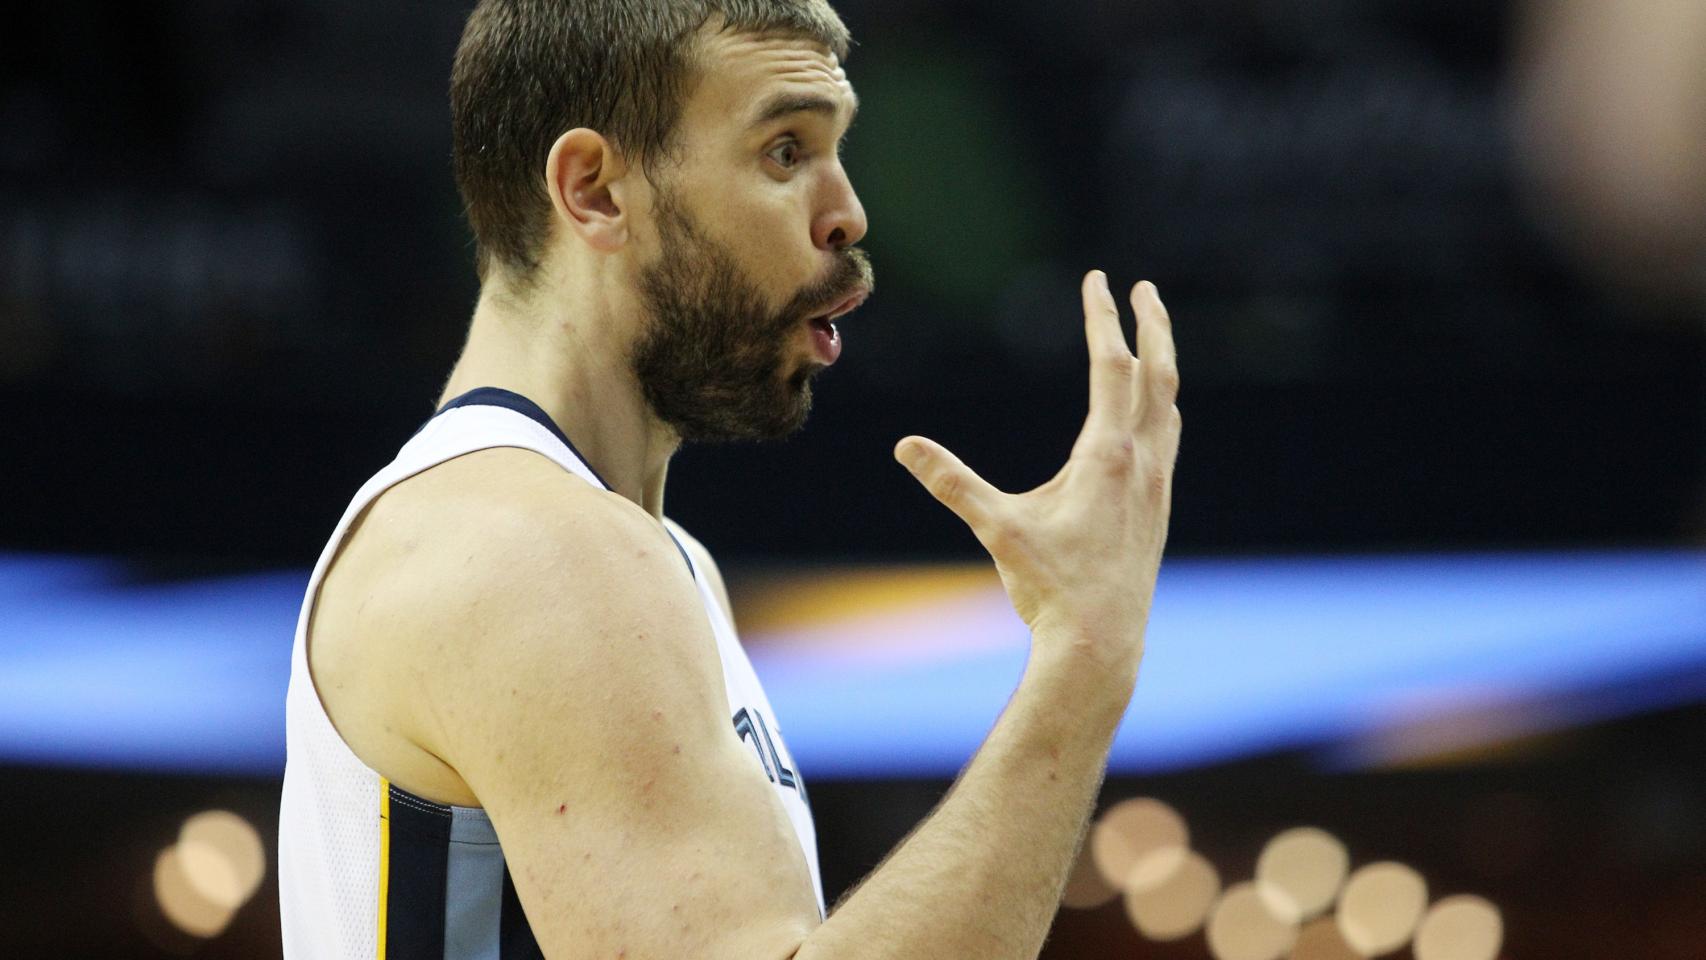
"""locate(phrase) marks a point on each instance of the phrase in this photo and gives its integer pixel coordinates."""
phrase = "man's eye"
(786, 154)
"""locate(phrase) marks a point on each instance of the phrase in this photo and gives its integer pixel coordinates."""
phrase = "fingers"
(1112, 366)
(1157, 385)
(950, 481)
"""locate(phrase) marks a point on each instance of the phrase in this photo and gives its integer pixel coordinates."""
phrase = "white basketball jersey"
(368, 870)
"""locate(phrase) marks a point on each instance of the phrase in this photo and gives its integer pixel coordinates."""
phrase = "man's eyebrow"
(783, 104)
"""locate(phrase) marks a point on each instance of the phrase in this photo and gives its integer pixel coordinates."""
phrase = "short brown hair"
(528, 70)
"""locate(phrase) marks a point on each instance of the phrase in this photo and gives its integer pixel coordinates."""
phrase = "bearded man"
(520, 723)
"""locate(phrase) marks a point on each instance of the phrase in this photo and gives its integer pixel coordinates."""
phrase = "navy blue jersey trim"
(420, 852)
(684, 557)
(515, 934)
(510, 400)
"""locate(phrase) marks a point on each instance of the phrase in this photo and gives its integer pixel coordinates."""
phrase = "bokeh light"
(1243, 926)
(1085, 888)
(1129, 831)
(1380, 907)
(1320, 939)
(215, 867)
(1463, 927)
(182, 903)
(222, 856)
(1169, 893)
(1301, 871)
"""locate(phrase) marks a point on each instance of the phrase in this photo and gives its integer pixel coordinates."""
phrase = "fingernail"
(907, 454)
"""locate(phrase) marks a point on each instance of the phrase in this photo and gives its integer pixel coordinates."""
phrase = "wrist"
(1111, 653)
(1088, 681)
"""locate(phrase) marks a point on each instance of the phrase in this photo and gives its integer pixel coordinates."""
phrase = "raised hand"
(1079, 554)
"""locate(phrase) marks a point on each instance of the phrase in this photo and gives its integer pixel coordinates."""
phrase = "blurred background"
(1427, 668)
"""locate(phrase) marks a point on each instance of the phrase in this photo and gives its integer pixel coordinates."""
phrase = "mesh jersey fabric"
(369, 870)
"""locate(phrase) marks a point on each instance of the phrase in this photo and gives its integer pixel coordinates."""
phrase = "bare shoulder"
(554, 655)
(511, 520)
(576, 688)
(440, 570)
(520, 547)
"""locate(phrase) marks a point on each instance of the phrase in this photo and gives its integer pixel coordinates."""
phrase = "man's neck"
(573, 364)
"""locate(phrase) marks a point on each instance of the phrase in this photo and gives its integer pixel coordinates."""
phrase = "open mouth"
(826, 318)
(826, 339)
(844, 306)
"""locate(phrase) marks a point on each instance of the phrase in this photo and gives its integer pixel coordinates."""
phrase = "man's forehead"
(743, 75)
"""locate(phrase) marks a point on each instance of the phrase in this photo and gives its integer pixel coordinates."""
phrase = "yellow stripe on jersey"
(384, 858)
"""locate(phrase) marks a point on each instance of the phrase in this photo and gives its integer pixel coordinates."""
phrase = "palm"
(1080, 552)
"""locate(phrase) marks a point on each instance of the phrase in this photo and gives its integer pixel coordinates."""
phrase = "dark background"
(233, 277)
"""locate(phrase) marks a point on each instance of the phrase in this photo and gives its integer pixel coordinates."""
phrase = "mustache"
(850, 271)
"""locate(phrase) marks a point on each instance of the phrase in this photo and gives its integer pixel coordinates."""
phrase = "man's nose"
(842, 220)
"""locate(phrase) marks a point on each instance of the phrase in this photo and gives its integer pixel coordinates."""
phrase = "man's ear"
(583, 176)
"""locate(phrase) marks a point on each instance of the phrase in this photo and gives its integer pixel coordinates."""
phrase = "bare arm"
(591, 722)
(982, 877)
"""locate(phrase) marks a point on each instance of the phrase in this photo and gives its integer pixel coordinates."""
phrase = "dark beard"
(713, 360)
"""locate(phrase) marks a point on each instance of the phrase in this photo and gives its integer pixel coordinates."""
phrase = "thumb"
(950, 481)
